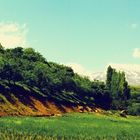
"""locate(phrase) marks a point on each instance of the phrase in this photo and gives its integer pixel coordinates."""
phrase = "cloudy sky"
(86, 34)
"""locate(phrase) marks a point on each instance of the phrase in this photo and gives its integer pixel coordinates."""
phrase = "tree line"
(59, 83)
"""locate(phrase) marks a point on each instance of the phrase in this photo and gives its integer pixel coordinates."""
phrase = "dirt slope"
(17, 101)
(37, 108)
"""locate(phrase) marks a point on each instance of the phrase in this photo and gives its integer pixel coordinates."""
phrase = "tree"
(31, 55)
(109, 77)
(1, 49)
(17, 52)
(10, 71)
(114, 87)
(118, 86)
(42, 77)
(2, 62)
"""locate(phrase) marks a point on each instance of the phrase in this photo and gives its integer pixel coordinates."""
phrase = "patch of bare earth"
(40, 108)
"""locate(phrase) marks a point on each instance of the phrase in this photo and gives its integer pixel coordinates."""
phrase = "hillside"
(17, 100)
(30, 85)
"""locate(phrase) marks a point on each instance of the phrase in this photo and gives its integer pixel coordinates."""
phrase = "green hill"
(30, 85)
(27, 78)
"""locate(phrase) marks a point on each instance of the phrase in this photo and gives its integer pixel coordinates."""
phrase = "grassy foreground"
(70, 127)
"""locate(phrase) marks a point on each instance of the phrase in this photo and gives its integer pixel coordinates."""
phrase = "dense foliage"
(28, 68)
(55, 82)
(118, 87)
(134, 102)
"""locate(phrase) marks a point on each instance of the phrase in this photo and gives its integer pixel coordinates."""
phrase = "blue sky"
(89, 33)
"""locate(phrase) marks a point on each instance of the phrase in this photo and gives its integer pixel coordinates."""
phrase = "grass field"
(70, 127)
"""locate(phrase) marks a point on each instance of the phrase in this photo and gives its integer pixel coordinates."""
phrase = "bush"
(134, 109)
(119, 105)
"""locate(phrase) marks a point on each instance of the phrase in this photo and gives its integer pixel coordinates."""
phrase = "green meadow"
(73, 126)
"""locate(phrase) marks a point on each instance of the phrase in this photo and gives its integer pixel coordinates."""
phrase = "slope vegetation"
(30, 85)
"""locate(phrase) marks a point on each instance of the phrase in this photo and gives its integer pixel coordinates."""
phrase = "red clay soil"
(38, 108)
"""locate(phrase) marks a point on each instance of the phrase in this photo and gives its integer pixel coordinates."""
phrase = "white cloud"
(127, 67)
(136, 53)
(134, 26)
(80, 69)
(13, 34)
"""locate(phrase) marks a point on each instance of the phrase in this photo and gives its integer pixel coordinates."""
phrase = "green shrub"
(134, 109)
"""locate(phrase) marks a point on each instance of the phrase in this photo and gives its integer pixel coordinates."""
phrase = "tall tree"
(1, 48)
(109, 77)
(118, 86)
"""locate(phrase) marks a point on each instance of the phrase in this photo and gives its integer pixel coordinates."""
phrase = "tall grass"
(70, 127)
